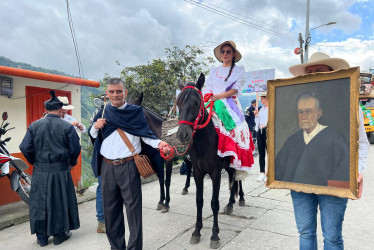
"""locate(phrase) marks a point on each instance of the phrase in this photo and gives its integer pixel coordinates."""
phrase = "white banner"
(256, 80)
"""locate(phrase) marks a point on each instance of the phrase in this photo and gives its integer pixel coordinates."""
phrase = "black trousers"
(121, 185)
(261, 144)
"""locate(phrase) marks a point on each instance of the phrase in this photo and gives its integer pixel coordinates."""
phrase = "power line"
(222, 13)
(249, 18)
(70, 19)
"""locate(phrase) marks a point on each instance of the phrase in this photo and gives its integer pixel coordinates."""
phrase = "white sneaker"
(261, 177)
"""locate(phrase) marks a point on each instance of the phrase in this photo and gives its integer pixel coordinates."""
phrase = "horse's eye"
(196, 103)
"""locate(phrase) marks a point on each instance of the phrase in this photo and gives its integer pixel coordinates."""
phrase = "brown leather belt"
(118, 161)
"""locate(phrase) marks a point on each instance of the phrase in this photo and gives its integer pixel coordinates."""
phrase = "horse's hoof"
(214, 244)
(185, 191)
(160, 206)
(195, 239)
(242, 203)
(165, 210)
(228, 210)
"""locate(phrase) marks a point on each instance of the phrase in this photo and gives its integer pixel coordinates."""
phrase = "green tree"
(155, 80)
(159, 79)
(188, 63)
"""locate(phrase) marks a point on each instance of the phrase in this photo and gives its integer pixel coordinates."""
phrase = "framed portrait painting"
(312, 134)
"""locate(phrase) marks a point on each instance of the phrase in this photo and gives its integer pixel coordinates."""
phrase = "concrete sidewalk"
(266, 222)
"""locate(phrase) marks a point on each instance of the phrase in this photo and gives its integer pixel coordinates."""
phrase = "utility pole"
(301, 47)
(307, 32)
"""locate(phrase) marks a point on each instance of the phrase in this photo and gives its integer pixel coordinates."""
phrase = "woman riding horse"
(223, 86)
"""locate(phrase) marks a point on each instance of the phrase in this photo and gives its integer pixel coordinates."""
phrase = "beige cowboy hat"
(263, 94)
(319, 58)
(65, 102)
(217, 51)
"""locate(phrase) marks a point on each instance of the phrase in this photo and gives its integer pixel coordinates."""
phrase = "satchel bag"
(142, 162)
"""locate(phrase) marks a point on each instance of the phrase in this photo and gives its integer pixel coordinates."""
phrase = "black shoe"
(42, 244)
(58, 239)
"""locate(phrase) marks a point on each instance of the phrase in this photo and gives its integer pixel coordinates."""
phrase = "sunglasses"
(227, 52)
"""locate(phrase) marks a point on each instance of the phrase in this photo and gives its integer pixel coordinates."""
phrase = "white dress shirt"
(70, 119)
(262, 118)
(311, 135)
(363, 143)
(113, 147)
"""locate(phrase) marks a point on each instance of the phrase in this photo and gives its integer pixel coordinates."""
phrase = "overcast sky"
(136, 32)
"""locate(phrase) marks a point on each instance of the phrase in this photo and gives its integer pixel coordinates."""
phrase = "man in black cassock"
(305, 155)
(52, 146)
(114, 162)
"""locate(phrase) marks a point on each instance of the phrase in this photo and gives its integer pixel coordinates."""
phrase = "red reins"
(195, 125)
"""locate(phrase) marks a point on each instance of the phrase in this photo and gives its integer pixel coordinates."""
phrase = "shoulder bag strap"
(126, 140)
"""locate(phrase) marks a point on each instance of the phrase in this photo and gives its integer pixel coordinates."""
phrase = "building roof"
(47, 77)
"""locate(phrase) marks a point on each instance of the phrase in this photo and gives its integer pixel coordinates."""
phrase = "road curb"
(18, 212)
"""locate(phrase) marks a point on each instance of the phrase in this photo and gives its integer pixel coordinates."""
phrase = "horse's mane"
(182, 97)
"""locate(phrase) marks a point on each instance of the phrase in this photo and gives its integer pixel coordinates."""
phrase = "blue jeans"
(332, 211)
(99, 203)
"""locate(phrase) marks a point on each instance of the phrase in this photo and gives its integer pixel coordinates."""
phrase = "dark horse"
(203, 152)
(155, 124)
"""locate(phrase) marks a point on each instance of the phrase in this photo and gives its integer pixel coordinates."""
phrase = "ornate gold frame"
(351, 73)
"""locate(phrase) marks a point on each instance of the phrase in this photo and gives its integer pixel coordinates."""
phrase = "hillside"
(20, 65)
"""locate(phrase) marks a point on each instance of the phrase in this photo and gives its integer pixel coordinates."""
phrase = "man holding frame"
(332, 208)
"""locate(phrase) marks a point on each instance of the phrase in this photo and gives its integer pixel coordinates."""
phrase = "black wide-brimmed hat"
(54, 103)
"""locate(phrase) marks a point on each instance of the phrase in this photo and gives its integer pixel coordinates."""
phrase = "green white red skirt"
(234, 137)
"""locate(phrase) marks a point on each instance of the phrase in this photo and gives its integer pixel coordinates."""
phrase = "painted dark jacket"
(325, 157)
(51, 145)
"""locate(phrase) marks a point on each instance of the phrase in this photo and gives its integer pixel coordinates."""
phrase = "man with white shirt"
(261, 126)
(64, 115)
(115, 163)
(332, 209)
(316, 154)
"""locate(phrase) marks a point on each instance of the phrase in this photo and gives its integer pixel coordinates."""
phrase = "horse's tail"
(232, 175)
(236, 186)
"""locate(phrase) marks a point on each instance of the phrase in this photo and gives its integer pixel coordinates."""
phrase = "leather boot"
(101, 227)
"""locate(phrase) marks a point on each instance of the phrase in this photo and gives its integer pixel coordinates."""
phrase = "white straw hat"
(319, 58)
(65, 102)
(217, 51)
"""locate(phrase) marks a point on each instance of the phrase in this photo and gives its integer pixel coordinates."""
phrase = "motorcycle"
(19, 180)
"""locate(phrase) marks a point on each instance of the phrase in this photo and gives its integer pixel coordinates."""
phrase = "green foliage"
(158, 80)
(188, 63)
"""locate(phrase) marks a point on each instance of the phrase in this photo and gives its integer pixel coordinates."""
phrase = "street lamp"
(323, 25)
(308, 38)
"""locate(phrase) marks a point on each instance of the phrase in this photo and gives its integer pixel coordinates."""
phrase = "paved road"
(266, 222)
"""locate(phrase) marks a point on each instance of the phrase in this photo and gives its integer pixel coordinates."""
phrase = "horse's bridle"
(197, 124)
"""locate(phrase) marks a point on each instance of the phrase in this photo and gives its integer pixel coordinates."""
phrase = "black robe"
(51, 145)
(325, 157)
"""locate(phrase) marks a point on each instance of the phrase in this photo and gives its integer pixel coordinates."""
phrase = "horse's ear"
(180, 85)
(200, 82)
(139, 100)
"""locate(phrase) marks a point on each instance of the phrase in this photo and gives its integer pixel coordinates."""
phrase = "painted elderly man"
(306, 153)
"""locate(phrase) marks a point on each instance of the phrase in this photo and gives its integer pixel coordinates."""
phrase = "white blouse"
(216, 80)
